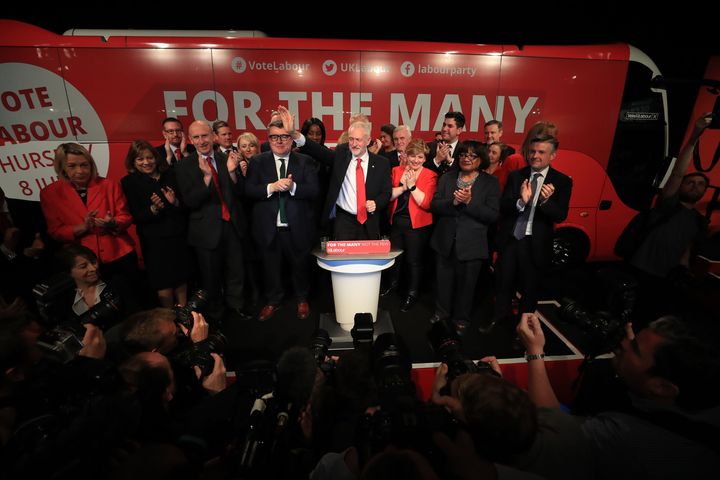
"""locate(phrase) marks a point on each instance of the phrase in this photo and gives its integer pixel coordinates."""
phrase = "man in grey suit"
(211, 189)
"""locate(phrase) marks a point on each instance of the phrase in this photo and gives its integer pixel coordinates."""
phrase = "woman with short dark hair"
(151, 191)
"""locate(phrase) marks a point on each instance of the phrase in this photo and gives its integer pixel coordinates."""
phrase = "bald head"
(201, 136)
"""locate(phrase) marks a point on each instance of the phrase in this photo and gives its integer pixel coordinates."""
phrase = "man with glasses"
(175, 147)
(283, 185)
(211, 189)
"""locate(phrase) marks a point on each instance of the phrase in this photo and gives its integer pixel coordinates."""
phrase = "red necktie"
(223, 206)
(178, 155)
(360, 189)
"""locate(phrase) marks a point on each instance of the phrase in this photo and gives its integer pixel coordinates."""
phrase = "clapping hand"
(169, 195)
(462, 195)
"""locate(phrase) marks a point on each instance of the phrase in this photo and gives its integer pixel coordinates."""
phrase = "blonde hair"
(250, 137)
(61, 153)
(416, 146)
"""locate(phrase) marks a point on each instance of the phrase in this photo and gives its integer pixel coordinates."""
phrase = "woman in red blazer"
(83, 208)
(410, 217)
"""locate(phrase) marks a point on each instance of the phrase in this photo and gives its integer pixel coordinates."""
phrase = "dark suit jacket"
(555, 210)
(430, 163)
(393, 157)
(203, 202)
(298, 207)
(378, 183)
(170, 221)
(161, 151)
(466, 226)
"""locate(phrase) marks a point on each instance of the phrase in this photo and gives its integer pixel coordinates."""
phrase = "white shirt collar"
(79, 305)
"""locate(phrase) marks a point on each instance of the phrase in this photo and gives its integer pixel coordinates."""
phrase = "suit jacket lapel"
(291, 165)
(370, 173)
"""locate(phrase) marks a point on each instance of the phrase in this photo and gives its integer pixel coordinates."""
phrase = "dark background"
(680, 37)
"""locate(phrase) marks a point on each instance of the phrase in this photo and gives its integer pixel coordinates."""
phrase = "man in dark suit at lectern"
(360, 185)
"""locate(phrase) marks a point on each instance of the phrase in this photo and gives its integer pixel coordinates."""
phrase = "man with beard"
(664, 256)
(360, 182)
(669, 244)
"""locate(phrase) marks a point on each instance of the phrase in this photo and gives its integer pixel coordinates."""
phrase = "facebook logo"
(407, 69)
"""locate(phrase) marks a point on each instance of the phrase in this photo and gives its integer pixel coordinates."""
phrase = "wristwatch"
(412, 189)
(534, 356)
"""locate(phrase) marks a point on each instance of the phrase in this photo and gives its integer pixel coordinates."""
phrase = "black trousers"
(516, 271)
(222, 271)
(348, 228)
(283, 248)
(413, 242)
(456, 281)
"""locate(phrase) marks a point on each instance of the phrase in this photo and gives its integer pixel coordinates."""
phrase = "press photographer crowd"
(102, 380)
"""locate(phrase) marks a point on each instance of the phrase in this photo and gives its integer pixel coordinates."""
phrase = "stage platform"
(250, 340)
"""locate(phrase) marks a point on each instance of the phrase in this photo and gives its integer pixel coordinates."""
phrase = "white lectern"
(356, 283)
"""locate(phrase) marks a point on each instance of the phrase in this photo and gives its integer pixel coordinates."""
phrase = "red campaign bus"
(106, 89)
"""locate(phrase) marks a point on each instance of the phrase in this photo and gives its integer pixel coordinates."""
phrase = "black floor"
(250, 340)
(589, 286)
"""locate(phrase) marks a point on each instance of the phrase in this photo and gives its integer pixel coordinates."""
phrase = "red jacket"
(420, 215)
(63, 210)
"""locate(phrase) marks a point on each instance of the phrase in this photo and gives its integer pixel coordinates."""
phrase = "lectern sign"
(358, 247)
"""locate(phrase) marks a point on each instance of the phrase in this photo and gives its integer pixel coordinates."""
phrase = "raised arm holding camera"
(661, 260)
(671, 376)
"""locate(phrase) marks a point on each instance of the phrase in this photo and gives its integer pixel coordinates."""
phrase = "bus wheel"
(570, 248)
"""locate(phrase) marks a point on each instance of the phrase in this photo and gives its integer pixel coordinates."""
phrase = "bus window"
(638, 150)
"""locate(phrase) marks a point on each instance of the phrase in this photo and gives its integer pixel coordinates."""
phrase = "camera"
(50, 295)
(104, 313)
(402, 419)
(604, 325)
(447, 347)
(391, 368)
(362, 331)
(198, 354)
(62, 343)
(196, 303)
(604, 330)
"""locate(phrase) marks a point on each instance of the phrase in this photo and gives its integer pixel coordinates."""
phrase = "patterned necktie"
(223, 206)
(360, 189)
(522, 221)
(281, 195)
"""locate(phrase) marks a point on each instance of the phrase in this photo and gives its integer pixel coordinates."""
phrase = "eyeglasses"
(177, 131)
(471, 156)
(279, 138)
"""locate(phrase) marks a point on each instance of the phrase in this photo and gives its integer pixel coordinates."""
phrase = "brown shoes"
(303, 310)
(267, 312)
